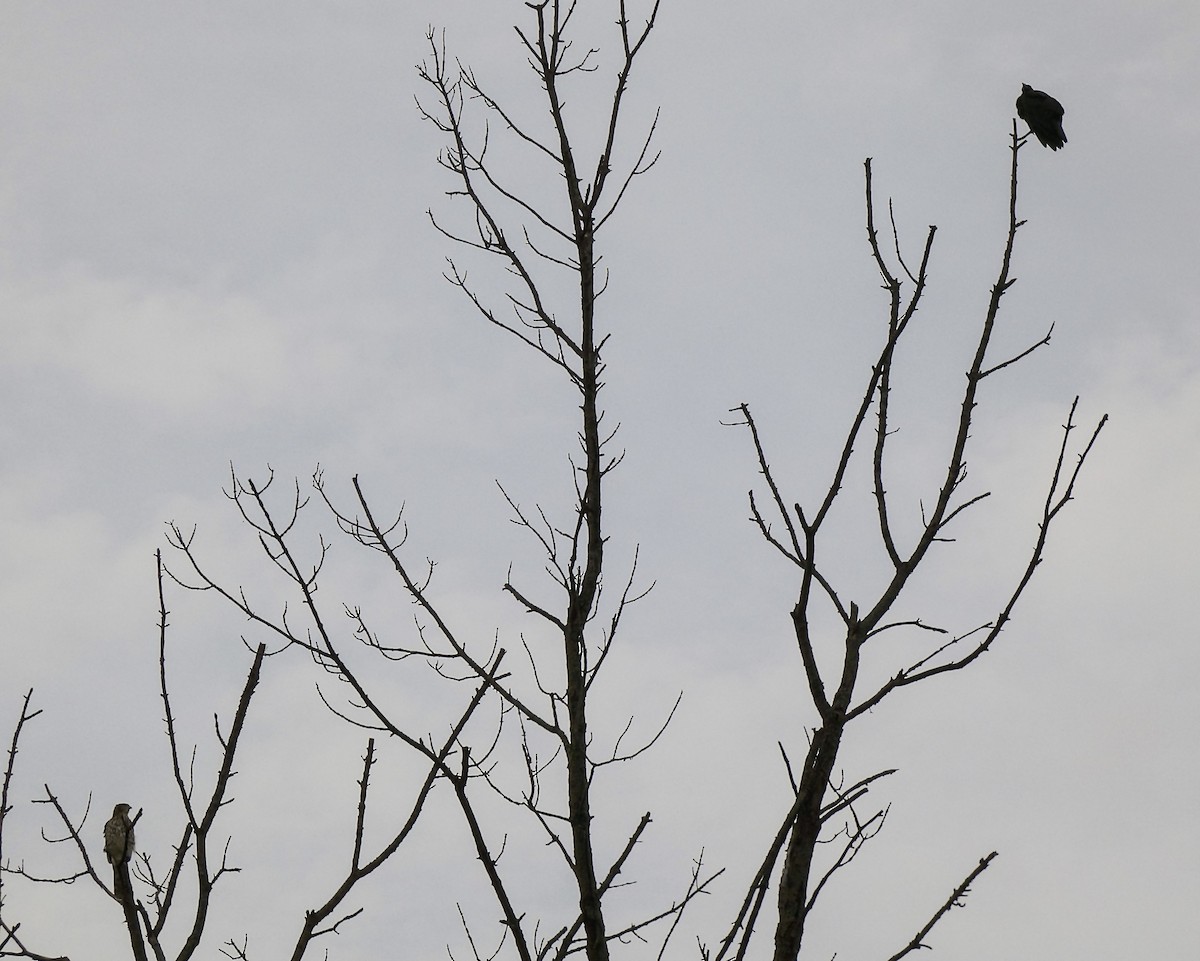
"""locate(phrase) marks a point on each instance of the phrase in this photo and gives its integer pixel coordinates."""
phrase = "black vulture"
(1043, 114)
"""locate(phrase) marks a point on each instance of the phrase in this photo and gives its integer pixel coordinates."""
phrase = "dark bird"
(1043, 114)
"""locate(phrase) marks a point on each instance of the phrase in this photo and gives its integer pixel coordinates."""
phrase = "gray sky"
(214, 249)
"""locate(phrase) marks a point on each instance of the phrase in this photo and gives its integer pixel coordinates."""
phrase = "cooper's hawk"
(1044, 115)
(118, 836)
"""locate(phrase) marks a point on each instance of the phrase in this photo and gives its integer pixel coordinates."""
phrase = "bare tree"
(546, 724)
(558, 751)
(543, 750)
(529, 239)
(199, 853)
(193, 853)
(821, 801)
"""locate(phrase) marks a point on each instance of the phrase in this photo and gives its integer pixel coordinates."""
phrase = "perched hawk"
(1043, 114)
(118, 836)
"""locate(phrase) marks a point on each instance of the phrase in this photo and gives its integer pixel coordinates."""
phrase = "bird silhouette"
(1043, 114)
(119, 841)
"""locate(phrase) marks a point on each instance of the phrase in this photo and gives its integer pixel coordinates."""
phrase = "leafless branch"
(956, 900)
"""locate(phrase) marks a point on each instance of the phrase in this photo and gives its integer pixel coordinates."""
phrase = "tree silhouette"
(524, 744)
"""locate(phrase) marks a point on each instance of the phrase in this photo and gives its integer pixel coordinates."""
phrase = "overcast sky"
(214, 250)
